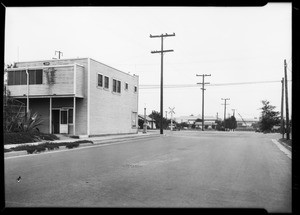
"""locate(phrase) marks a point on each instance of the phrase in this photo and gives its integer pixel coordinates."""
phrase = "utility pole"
(233, 112)
(161, 74)
(59, 52)
(203, 83)
(282, 104)
(286, 104)
(145, 122)
(225, 109)
(171, 112)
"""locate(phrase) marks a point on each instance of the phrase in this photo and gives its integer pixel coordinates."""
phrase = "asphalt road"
(180, 169)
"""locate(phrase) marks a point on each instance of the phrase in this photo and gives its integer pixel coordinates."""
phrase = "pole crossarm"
(203, 75)
(154, 52)
(162, 35)
(204, 83)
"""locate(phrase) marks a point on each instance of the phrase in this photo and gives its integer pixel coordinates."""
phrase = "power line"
(195, 85)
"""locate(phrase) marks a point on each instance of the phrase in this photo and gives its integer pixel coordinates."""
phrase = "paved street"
(179, 169)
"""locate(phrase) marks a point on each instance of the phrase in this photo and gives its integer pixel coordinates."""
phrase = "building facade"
(209, 121)
(149, 121)
(79, 96)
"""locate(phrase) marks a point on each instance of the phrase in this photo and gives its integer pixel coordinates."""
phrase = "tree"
(220, 125)
(182, 125)
(269, 117)
(231, 123)
(156, 116)
(141, 123)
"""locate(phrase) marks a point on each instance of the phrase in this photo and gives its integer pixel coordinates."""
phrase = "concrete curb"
(95, 142)
(285, 145)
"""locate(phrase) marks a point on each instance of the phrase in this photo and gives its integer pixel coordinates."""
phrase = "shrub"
(51, 146)
(27, 137)
(44, 136)
(40, 148)
(7, 150)
(75, 144)
(83, 141)
(23, 148)
(17, 138)
(30, 150)
(72, 145)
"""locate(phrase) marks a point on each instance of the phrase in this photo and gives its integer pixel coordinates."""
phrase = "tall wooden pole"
(161, 73)
(286, 104)
(282, 104)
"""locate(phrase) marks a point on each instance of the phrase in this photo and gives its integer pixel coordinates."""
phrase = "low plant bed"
(72, 145)
(47, 146)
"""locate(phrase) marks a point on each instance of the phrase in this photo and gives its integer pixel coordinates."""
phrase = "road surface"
(179, 169)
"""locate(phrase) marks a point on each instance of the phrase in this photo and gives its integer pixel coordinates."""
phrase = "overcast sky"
(233, 44)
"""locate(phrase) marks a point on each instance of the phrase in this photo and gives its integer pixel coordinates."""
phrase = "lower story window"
(133, 119)
(70, 116)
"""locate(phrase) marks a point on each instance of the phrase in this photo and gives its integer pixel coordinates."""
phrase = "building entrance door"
(63, 128)
(55, 121)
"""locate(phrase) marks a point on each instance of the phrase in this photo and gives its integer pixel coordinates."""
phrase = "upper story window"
(100, 80)
(106, 82)
(19, 77)
(116, 86)
(135, 89)
(126, 86)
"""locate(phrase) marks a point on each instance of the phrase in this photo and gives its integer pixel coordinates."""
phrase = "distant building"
(246, 122)
(209, 121)
(77, 96)
(149, 121)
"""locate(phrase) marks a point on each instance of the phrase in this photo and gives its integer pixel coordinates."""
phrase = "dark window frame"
(70, 116)
(116, 86)
(106, 82)
(100, 80)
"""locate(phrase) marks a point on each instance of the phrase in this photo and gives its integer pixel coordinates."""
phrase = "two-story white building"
(78, 96)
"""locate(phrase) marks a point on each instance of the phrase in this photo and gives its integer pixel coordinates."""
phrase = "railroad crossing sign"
(172, 112)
